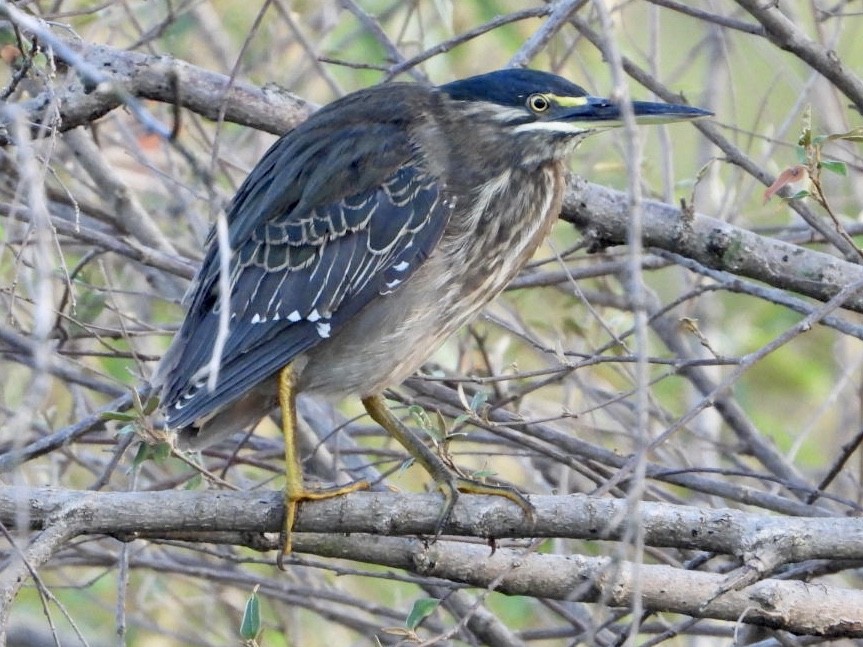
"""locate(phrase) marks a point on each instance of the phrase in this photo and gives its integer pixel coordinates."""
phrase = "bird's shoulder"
(348, 148)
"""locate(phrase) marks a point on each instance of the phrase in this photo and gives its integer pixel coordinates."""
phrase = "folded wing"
(306, 255)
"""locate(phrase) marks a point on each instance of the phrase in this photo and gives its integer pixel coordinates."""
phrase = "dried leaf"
(790, 175)
(853, 135)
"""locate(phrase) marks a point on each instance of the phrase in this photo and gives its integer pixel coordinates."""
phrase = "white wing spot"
(323, 329)
(313, 315)
(276, 317)
(392, 284)
(401, 267)
(258, 319)
(294, 316)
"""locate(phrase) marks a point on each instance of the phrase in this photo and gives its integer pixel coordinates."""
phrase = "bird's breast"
(498, 232)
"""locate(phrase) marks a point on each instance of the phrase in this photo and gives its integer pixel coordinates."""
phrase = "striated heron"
(363, 239)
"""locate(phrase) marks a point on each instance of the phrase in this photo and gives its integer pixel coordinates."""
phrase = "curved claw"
(471, 486)
(450, 491)
(452, 487)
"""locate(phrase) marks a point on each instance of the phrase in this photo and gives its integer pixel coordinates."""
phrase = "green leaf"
(195, 482)
(250, 626)
(425, 423)
(478, 400)
(404, 466)
(800, 154)
(158, 452)
(460, 419)
(118, 415)
(421, 610)
(406, 634)
(151, 405)
(90, 305)
(419, 414)
(440, 426)
(435, 434)
(800, 195)
(141, 455)
(40, 59)
(835, 166)
(481, 474)
(161, 451)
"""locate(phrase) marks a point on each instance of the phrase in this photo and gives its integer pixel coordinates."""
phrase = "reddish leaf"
(790, 175)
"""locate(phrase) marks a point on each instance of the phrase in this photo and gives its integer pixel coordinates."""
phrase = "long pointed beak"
(597, 112)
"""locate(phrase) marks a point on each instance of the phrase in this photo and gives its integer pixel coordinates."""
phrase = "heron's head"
(539, 108)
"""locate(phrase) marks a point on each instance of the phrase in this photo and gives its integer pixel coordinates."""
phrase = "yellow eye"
(538, 102)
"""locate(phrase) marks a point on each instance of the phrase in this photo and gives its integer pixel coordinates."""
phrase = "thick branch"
(789, 605)
(603, 215)
(165, 79)
(794, 606)
(725, 531)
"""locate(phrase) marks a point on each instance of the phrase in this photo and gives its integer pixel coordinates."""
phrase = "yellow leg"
(450, 484)
(295, 491)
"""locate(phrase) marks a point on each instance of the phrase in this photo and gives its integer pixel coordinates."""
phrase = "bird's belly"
(386, 342)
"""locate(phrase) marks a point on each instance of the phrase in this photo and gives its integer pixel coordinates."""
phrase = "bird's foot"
(455, 485)
(293, 498)
(441, 468)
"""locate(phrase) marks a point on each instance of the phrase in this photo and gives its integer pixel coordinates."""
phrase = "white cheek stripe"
(550, 126)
